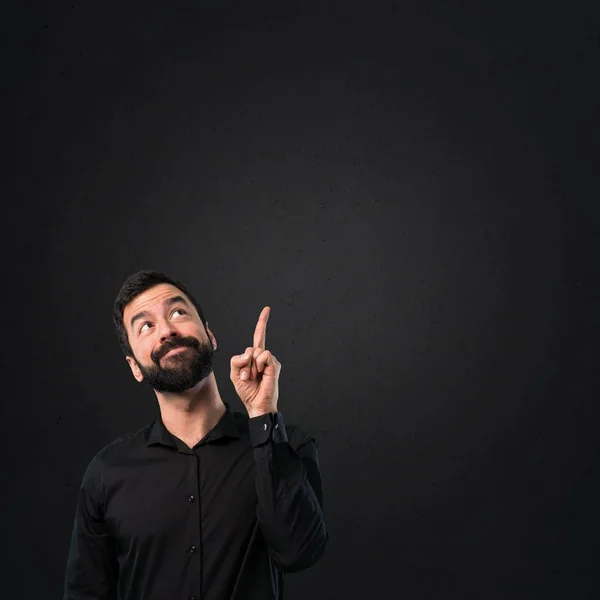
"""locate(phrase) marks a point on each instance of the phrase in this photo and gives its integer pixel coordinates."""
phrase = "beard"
(182, 370)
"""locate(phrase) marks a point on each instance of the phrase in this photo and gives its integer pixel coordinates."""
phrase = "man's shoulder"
(111, 455)
(123, 444)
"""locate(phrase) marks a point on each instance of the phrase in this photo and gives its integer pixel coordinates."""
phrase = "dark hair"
(134, 285)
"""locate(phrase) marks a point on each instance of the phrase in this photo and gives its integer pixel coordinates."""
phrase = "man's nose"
(167, 331)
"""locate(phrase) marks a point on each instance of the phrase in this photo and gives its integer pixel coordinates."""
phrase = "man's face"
(171, 348)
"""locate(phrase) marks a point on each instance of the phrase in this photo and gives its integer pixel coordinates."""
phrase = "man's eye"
(144, 325)
(179, 310)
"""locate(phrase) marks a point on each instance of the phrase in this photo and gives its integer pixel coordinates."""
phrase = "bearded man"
(205, 503)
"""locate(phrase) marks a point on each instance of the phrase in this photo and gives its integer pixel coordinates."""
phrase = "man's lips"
(177, 349)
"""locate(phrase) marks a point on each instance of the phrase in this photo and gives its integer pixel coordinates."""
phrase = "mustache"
(185, 342)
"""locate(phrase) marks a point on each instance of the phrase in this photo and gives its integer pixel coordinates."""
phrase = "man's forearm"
(289, 492)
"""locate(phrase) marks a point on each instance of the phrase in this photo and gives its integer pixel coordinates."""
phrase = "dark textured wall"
(410, 187)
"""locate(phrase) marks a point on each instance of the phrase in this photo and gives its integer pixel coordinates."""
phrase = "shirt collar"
(226, 427)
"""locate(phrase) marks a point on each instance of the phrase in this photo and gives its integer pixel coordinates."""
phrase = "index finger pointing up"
(260, 333)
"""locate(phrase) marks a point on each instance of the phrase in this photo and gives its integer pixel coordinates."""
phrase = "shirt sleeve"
(92, 568)
(289, 491)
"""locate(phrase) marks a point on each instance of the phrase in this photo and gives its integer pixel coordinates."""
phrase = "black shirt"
(158, 520)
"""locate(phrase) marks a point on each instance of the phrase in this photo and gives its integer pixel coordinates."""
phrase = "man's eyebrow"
(139, 315)
(175, 300)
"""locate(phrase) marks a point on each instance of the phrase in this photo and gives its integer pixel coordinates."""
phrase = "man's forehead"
(154, 295)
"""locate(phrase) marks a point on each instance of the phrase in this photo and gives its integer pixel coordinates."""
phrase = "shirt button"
(276, 425)
(193, 549)
(265, 426)
(191, 498)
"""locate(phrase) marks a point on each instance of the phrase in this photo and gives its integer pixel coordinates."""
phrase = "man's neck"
(192, 414)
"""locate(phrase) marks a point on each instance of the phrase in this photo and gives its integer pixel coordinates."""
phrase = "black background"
(409, 185)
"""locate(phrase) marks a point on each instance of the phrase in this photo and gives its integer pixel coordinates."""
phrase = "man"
(204, 503)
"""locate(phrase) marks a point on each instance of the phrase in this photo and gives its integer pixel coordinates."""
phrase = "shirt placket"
(194, 534)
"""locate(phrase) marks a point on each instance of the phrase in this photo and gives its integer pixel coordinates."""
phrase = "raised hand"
(255, 373)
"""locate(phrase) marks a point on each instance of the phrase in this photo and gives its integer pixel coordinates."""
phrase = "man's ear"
(211, 336)
(134, 368)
